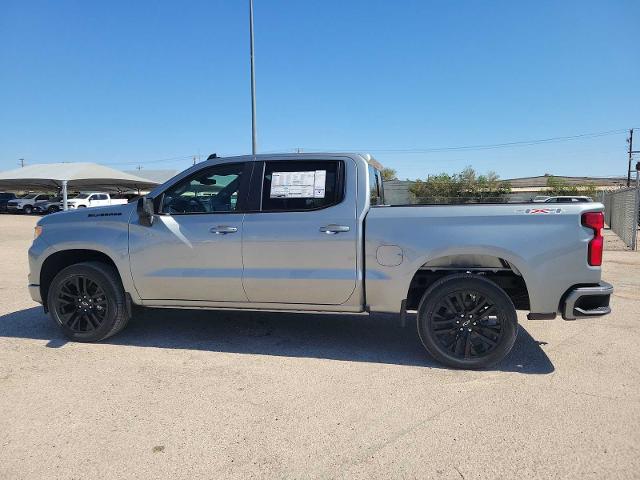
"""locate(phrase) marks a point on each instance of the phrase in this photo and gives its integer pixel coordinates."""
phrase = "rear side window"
(376, 194)
(296, 186)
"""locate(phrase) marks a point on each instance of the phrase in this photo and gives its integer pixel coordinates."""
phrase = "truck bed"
(546, 245)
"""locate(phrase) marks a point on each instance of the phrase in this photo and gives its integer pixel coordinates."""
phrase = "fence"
(621, 214)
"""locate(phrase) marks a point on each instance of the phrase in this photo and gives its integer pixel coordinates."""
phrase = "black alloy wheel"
(467, 324)
(88, 301)
(467, 321)
(81, 304)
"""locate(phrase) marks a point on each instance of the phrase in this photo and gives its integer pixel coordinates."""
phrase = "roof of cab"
(299, 156)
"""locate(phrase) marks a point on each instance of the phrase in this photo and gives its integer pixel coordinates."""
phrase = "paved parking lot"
(246, 395)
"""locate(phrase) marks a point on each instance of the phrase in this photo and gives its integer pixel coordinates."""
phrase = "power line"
(134, 162)
(521, 143)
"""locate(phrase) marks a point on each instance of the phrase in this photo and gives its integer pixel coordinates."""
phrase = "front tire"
(28, 209)
(88, 301)
(467, 321)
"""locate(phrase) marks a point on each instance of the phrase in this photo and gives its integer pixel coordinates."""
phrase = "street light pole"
(254, 141)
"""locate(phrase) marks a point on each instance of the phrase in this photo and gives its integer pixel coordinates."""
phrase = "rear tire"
(88, 301)
(467, 321)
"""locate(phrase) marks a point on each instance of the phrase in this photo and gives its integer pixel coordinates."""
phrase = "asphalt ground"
(184, 394)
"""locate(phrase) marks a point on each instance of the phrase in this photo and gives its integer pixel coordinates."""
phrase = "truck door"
(301, 244)
(99, 200)
(193, 250)
(93, 200)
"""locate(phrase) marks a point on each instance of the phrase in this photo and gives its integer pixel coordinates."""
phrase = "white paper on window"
(311, 184)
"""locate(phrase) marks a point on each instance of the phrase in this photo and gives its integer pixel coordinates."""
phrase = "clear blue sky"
(122, 82)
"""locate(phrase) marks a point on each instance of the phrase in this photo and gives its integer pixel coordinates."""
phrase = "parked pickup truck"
(93, 199)
(311, 232)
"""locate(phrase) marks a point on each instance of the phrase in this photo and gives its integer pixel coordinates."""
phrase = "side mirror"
(145, 211)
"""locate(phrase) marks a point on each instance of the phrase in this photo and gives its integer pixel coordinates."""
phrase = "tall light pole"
(254, 141)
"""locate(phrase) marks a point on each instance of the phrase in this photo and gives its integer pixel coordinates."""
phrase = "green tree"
(463, 187)
(559, 187)
(389, 174)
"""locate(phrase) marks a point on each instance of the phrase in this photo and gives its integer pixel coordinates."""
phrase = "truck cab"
(92, 199)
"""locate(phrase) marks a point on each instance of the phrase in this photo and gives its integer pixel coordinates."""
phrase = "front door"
(98, 200)
(301, 246)
(193, 250)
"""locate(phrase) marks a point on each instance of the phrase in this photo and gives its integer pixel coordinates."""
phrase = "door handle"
(223, 229)
(333, 229)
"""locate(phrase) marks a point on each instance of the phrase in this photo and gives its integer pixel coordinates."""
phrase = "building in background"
(532, 186)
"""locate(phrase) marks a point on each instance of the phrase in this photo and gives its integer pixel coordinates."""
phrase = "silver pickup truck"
(311, 232)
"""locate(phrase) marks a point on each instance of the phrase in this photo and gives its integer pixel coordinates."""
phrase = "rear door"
(193, 250)
(300, 246)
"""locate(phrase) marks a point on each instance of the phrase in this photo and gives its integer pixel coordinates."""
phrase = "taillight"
(595, 221)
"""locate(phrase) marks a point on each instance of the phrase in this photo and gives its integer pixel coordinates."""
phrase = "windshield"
(81, 196)
(30, 196)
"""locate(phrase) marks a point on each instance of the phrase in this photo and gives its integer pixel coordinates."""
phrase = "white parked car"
(569, 199)
(541, 198)
(93, 199)
(25, 204)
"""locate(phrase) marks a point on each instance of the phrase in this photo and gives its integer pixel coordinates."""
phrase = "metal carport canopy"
(77, 176)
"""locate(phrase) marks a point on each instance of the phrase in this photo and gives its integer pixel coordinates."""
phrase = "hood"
(114, 213)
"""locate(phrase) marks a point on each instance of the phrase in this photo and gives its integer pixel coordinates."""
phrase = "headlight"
(37, 231)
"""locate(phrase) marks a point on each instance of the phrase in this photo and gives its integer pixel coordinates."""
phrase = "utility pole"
(21, 162)
(254, 141)
(194, 159)
(636, 210)
(631, 152)
(630, 142)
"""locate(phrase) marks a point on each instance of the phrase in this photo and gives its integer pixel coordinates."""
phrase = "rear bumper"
(592, 301)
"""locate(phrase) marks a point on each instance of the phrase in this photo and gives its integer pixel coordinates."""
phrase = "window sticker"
(310, 184)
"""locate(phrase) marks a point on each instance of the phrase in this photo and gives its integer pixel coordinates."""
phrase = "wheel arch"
(55, 262)
(500, 268)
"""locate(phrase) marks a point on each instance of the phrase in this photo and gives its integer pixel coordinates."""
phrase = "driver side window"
(211, 190)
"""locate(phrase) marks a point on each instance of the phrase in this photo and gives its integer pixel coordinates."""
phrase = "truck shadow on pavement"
(376, 339)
